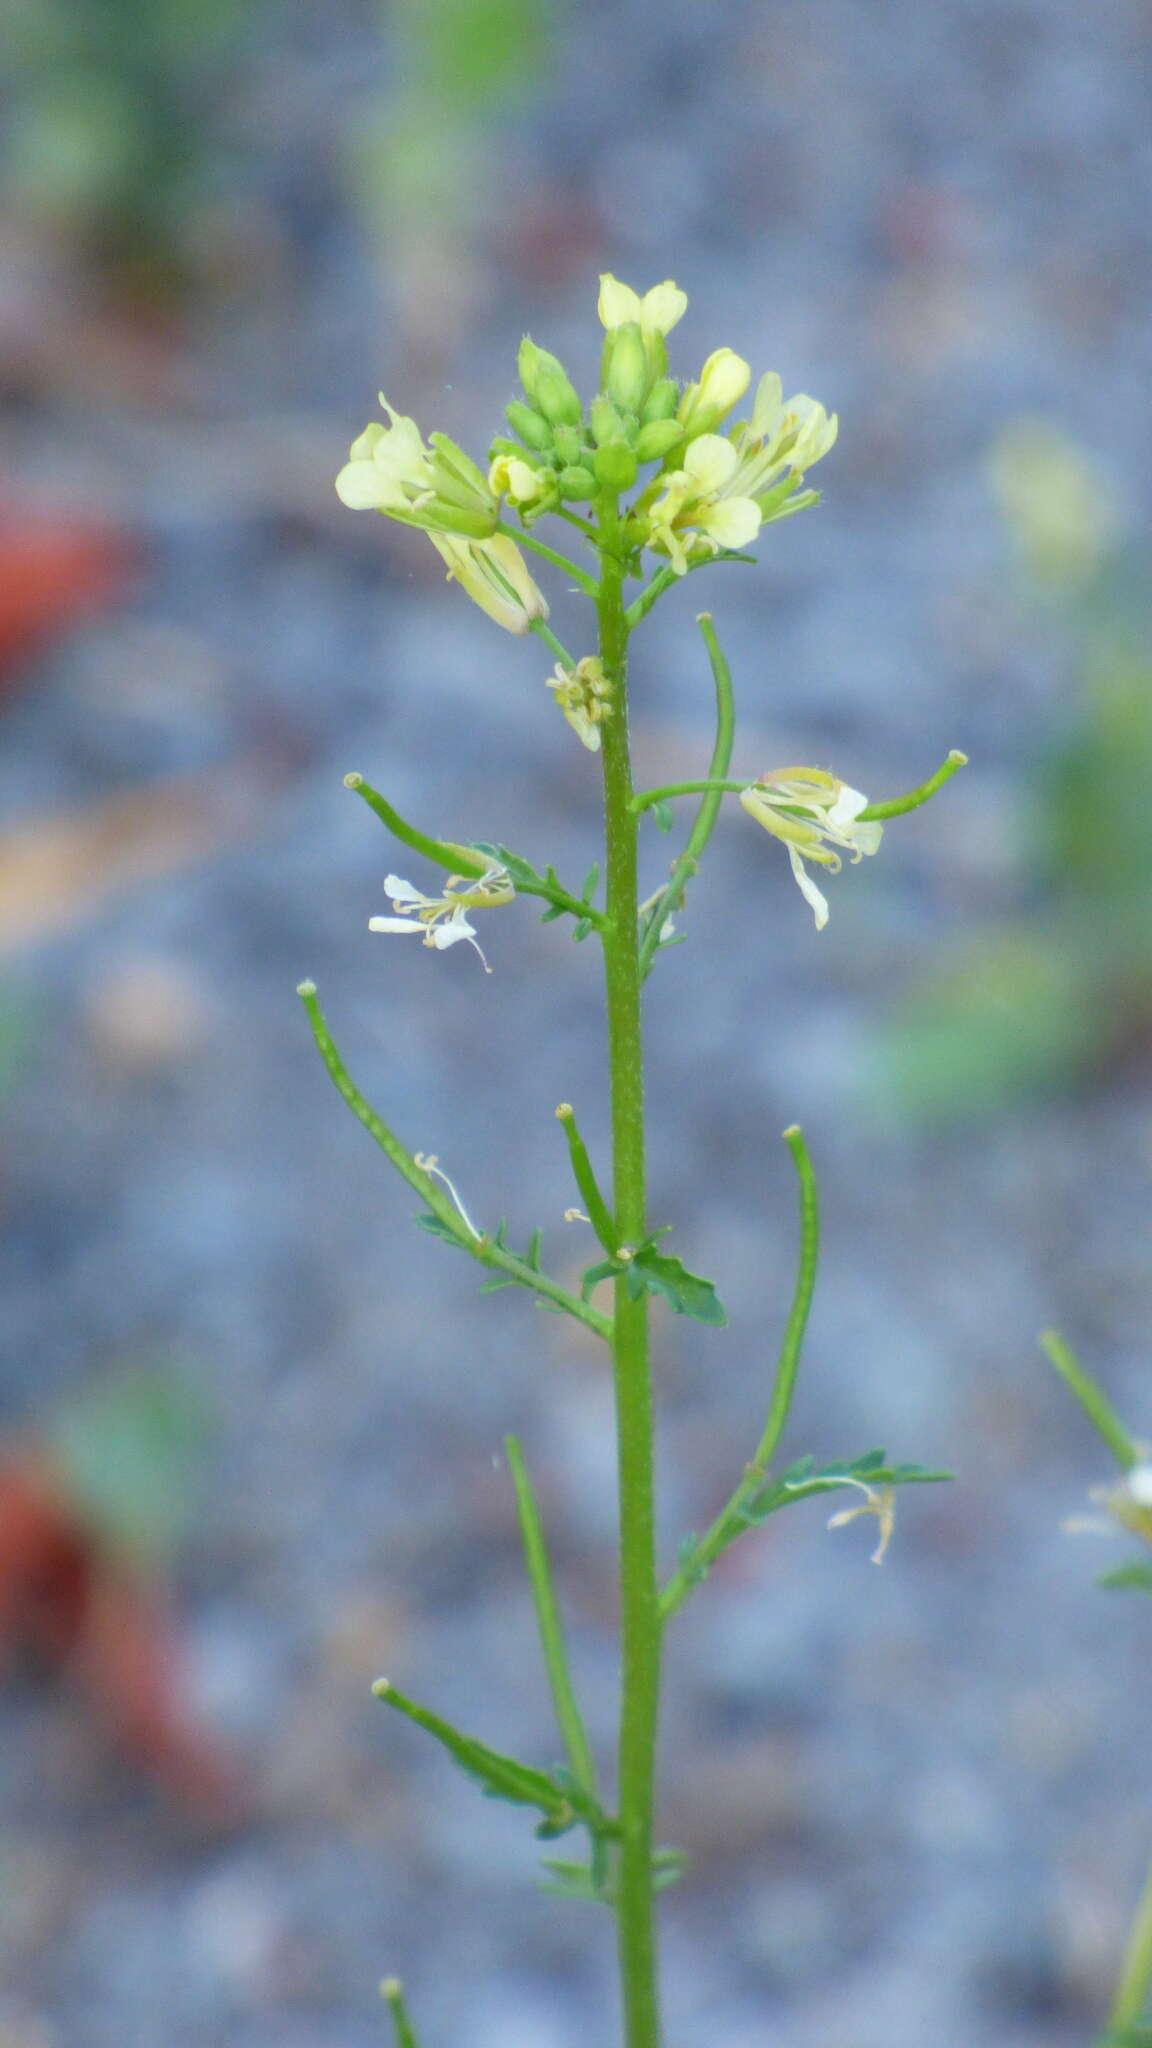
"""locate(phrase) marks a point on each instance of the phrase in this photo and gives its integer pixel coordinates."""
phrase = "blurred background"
(251, 1419)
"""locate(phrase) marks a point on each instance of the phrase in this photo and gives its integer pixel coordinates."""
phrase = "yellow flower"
(656, 313)
(495, 575)
(813, 812)
(390, 470)
(702, 511)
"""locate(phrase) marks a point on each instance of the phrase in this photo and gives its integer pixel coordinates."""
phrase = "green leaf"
(573, 1881)
(687, 1294)
(805, 1478)
(1139, 2035)
(605, 1269)
(499, 1776)
(591, 882)
(436, 1227)
(1135, 1573)
(664, 815)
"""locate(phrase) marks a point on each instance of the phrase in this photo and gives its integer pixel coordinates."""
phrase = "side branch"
(672, 895)
(451, 1223)
(730, 1521)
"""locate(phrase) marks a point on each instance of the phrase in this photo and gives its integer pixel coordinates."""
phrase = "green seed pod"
(577, 482)
(625, 374)
(569, 445)
(548, 384)
(658, 439)
(532, 427)
(615, 466)
(661, 401)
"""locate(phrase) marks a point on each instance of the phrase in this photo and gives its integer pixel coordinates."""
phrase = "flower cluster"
(710, 492)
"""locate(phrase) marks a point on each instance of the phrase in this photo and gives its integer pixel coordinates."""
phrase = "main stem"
(1136, 1974)
(639, 1590)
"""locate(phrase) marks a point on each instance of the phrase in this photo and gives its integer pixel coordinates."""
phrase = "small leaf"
(532, 1255)
(499, 1776)
(606, 1269)
(1135, 1573)
(591, 882)
(664, 816)
(436, 1227)
(687, 1294)
(582, 929)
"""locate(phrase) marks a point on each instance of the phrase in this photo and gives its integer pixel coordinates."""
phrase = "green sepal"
(562, 1804)
(1135, 1574)
(661, 402)
(657, 440)
(688, 1294)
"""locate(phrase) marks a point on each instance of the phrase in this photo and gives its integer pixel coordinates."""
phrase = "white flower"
(812, 812)
(438, 487)
(1128, 1504)
(440, 920)
(702, 510)
(657, 312)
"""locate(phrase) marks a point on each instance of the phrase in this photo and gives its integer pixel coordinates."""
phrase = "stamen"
(428, 1163)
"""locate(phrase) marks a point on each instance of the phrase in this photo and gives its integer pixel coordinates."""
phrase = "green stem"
(897, 805)
(544, 632)
(1092, 1398)
(642, 605)
(1136, 1973)
(672, 896)
(644, 798)
(726, 1526)
(524, 539)
(548, 1622)
(393, 1992)
(639, 1591)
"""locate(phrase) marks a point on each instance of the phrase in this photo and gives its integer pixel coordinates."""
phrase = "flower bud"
(624, 369)
(531, 426)
(577, 482)
(723, 382)
(569, 445)
(658, 439)
(661, 401)
(548, 384)
(615, 466)
(604, 419)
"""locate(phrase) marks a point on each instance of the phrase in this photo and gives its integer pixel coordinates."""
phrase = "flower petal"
(395, 924)
(362, 488)
(808, 889)
(618, 302)
(711, 462)
(401, 891)
(662, 307)
(733, 522)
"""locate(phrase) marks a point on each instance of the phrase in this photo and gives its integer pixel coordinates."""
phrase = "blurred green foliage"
(1063, 990)
(106, 131)
(129, 1447)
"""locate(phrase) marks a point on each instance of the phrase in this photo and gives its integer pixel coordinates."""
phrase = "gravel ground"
(907, 1794)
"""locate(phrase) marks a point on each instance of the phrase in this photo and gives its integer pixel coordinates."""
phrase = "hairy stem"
(1136, 1975)
(639, 1592)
